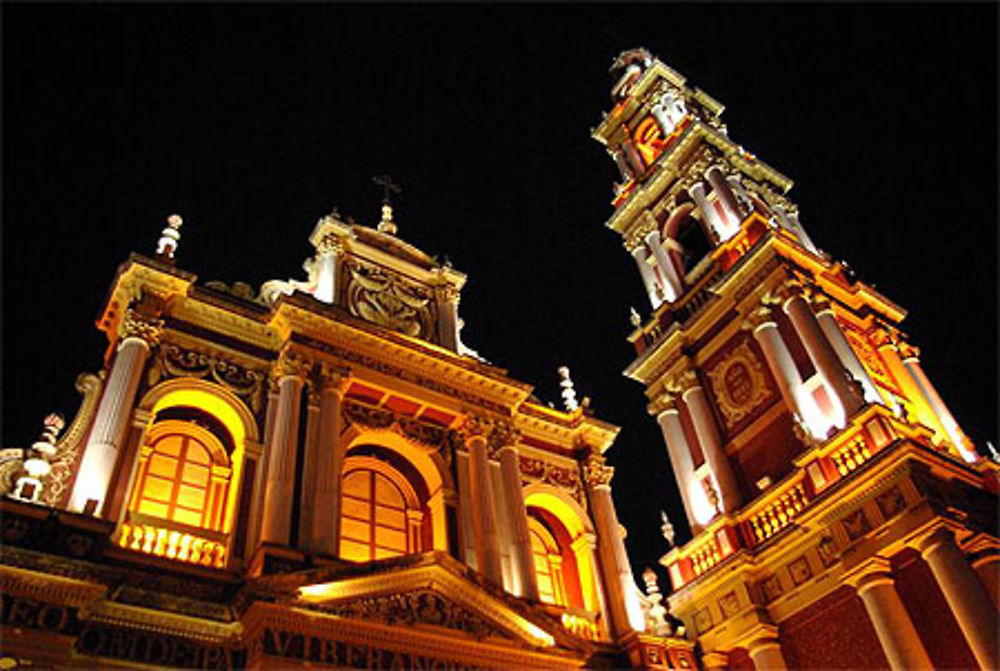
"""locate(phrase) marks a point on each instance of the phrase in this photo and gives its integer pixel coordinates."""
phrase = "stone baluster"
(282, 452)
(622, 594)
(329, 461)
(483, 515)
(138, 334)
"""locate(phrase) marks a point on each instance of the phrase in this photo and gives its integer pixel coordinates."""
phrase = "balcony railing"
(777, 508)
(163, 538)
(581, 623)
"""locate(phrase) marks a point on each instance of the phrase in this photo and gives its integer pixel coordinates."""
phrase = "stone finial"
(667, 528)
(568, 392)
(36, 460)
(634, 318)
(169, 237)
(656, 620)
(387, 225)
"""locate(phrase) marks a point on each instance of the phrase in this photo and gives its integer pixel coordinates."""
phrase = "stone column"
(944, 416)
(765, 651)
(517, 513)
(280, 487)
(726, 197)
(632, 156)
(648, 278)
(848, 358)
(329, 462)
(710, 441)
(779, 360)
(483, 516)
(921, 411)
(622, 598)
(329, 253)
(260, 478)
(680, 455)
(673, 283)
(307, 492)
(138, 334)
(821, 353)
(623, 167)
(709, 214)
(969, 602)
(986, 564)
(900, 641)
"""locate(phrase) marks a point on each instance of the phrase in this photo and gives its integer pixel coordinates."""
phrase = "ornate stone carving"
(503, 433)
(476, 425)
(682, 382)
(291, 363)
(388, 300)
(175, 361)
(665, 401)
(419, 607)
(756, 317)
(135, 325)
(738, 384)
(596, 472)
(381, 419)
(551, 474)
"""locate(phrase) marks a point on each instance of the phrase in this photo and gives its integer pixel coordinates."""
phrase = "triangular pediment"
(430, 591)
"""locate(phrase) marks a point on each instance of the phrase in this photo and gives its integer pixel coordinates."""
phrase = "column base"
(268, 559)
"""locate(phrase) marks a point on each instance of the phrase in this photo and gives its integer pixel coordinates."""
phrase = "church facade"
(321, 474)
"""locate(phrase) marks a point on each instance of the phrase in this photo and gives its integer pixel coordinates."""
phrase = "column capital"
(821, 303)
(291, 364)
(937, 538)
(135, 325)
(908, 351)
(475, 429)
(664, 403)
(447, 292)
(757, 317)
(875, 571)
(787, 290)
(330, 243)
(761, 637)
(331, 376)
(715, 660)
(501, 435)
(684, 382)
(596, 472)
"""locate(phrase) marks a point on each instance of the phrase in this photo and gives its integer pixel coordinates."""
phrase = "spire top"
(169, 237)
(387, 225)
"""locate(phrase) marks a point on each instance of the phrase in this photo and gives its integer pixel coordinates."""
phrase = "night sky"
(252, 121)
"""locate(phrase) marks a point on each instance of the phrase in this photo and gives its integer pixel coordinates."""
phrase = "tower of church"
(840, 516)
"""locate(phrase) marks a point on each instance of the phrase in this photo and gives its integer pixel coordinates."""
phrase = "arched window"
(381, 515)
(556, 568)
(548, 564)
(183, 476)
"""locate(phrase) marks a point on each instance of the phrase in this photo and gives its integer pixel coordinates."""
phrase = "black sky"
(252, 121)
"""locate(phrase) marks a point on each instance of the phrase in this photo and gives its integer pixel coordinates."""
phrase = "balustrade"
(173, 544)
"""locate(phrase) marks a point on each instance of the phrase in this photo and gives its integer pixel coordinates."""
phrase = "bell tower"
(789, 399)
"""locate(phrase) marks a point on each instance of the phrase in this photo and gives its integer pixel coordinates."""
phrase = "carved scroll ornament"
(387, 300)
(175, 361)
(381, 419)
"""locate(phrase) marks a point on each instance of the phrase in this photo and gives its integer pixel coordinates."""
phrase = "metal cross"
(388, 185)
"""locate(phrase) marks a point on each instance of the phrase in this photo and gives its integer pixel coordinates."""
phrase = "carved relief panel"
(388, 299)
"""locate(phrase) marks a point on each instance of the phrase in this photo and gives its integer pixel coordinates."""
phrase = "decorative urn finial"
(568, 393)
(169, 237)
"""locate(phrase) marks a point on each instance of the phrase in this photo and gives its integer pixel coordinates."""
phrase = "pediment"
(431, 591)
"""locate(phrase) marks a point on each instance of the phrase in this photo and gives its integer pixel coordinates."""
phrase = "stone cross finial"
(568, 393)
(169, 237)
(387, 225)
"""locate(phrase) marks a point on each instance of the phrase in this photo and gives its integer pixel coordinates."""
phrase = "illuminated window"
(180, 478)
(380, 513)
(548, 564)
